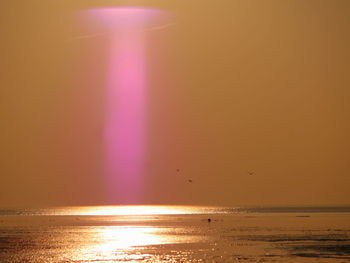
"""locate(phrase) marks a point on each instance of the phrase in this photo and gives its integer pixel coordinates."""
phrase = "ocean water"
(175, 234)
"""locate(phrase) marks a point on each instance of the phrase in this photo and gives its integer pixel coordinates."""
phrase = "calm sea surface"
(175, 234)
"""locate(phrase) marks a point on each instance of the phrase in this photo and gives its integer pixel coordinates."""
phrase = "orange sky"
(233, 87)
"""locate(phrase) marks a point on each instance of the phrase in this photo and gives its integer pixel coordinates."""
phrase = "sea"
(105, 234)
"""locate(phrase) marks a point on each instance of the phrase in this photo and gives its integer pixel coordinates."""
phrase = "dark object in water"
(209, 220)
(190, 181)
(302, 216)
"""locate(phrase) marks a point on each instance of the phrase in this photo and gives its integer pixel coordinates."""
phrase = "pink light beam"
(126, 88)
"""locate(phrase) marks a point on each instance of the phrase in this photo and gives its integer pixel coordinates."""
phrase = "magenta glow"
(126, 87)
(122, 17)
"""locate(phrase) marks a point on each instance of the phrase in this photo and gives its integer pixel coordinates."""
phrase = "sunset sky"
(243, 102)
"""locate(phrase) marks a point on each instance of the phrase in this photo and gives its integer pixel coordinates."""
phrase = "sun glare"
(132, 210)
(117, 243)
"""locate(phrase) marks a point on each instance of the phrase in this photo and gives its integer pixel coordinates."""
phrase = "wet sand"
(185, 237)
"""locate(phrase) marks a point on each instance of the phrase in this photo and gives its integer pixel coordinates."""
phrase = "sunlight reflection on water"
(173, 234)
(137, 210)
(128, 210)
(123, 242)
(118, 242)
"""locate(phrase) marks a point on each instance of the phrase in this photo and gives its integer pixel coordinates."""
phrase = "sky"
(243, 103)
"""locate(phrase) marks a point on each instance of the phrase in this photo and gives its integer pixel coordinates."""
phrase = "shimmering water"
(175, 234)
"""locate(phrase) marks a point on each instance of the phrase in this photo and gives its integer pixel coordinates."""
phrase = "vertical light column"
(126, 88)
(125, 115)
